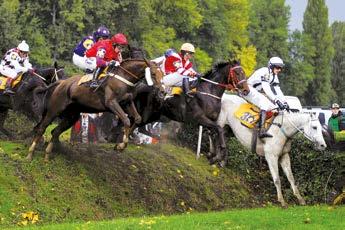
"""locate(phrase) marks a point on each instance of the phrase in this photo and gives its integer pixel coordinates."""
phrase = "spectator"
(84, 130)
(336, 122)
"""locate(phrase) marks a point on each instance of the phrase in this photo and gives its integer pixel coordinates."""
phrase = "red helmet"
(119, 39)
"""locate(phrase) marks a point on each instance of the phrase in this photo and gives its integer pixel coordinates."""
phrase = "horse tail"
(41, 96)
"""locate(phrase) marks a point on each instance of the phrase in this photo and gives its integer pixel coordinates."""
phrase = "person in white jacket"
(16, 60)
(265, 80)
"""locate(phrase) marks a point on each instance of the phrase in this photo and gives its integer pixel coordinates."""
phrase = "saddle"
(249, 116)
(3, 80)
(88, 77)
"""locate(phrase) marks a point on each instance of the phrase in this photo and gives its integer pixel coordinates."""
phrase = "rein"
(295, 126)
(129, 72)
(232, 82)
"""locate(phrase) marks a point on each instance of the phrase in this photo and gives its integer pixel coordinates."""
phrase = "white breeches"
(259, 100)
(174, 79)
(8, 72)
(84, 63)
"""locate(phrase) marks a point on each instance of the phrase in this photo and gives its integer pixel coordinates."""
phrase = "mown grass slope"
(85, 183)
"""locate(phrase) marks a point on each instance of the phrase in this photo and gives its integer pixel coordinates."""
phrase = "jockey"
(265, 80)
(179, 69)
(107, 53)
(160, 61)
(79, 58)
(16, 60)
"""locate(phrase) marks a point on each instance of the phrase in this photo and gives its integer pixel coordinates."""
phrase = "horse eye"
(314, 127)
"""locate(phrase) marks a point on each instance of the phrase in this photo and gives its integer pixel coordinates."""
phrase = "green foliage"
(338, 62)
(298, 72)
(268, 29)
(315, 25)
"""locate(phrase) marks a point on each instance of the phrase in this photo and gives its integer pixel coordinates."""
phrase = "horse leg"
(65, 123)
(286, 165)
(272, 160)
(115, 108)
(39, 131)
(133, 110)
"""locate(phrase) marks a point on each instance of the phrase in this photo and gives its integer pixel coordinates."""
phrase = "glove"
(287, 107)
(280, 104)
(113, 63)
(31, 71)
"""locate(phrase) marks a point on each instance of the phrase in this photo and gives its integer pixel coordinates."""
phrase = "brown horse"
(203, 109)
(67, 99)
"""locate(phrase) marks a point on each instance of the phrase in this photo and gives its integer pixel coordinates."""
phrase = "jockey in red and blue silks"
(106, 52)
(178, 69)
(79, 58)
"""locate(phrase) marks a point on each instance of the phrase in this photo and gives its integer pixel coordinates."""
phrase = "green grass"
(317, 217)
(94, 183)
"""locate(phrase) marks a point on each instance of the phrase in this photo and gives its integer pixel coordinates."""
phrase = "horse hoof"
(46, 159)
(120, 147)
(302, 202)
(28, 158)
(138, 120)
(127, 123)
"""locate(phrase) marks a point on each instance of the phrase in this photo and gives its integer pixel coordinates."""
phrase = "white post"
(199, 142)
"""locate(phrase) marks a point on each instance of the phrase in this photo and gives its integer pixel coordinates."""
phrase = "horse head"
(228, 75)
(137, 69)
(52, 74)
(237, 79)
(313, 131)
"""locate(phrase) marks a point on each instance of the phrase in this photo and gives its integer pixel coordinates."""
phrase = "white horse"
(277, 148)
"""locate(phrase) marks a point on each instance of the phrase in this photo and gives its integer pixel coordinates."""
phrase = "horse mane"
(214, 69)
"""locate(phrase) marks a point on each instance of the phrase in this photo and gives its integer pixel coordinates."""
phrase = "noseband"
(233, 82)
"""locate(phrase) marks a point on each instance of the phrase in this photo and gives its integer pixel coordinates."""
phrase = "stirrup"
(264, 135)
(8, 91)
(94, 84)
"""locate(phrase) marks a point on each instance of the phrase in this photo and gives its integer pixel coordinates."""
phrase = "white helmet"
(23, 46)
(188, 47)
(275, 61)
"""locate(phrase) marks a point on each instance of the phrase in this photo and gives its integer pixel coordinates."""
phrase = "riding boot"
(185, 87)
(94, 83)
(262, 131)
(8, 90)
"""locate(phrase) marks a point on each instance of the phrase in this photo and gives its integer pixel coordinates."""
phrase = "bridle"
(280, 125)
(232, 81)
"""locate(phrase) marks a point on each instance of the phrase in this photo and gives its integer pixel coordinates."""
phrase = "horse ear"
(55, 65)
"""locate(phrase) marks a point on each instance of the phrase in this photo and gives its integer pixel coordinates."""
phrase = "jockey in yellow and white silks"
(265, 80)
(16, 60)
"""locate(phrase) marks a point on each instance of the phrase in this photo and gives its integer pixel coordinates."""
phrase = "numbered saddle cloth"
(249, 115)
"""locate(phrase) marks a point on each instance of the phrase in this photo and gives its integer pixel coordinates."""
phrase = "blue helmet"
(169, 52)
(101, 32)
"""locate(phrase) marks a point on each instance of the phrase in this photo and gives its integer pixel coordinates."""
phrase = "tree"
(298, 73)
(268, 29)
(315, 25)
(10, 30)
(338, 62)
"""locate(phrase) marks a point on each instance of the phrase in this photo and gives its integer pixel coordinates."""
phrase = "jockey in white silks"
(265, 80)
(15, 61)
(179, 70)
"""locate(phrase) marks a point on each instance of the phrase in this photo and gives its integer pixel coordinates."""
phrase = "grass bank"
(84, 183)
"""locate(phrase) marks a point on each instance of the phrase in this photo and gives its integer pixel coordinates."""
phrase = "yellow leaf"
(24, 222)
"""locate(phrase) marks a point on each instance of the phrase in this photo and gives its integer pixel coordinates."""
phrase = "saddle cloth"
(3, 80)
(88, 77)
(176, 90)
(248, 115)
